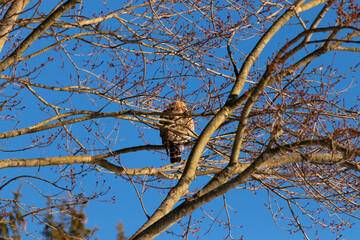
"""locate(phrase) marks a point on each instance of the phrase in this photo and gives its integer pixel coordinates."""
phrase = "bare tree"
(270, 86)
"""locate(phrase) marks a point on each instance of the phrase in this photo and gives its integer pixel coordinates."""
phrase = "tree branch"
(14, 56)
(8, 22)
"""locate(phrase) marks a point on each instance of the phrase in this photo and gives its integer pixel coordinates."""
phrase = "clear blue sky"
(252, 218)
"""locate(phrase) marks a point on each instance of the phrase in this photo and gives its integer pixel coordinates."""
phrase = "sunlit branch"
(16, 54)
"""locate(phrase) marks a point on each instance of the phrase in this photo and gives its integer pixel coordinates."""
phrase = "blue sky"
(249, 213)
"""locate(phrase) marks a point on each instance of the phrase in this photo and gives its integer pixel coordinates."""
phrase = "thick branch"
(189, 206)
(14, 56)
(255, 53)
(9, 19)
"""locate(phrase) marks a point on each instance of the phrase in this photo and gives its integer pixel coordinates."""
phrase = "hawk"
(177, 131)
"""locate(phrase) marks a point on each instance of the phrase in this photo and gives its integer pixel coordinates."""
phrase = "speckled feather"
(175, 134)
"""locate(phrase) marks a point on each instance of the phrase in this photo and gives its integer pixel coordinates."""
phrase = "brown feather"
(175, 152)
(175, 134)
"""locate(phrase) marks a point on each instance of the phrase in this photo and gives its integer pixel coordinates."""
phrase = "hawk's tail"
(175, 152)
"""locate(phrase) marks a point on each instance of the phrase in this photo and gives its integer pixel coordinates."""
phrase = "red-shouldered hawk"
(174, 134)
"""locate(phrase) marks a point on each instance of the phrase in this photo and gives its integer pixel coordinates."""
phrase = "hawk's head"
(178, 106)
